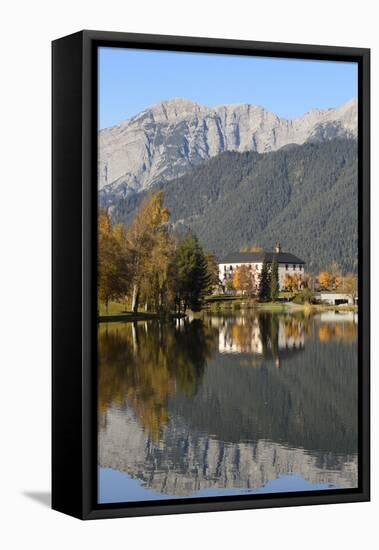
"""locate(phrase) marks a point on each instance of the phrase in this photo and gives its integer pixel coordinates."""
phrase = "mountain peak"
(179, 102)
(177, 106)
(172, 136)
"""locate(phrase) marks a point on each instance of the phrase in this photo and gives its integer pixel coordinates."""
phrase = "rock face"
(183, 463)
(169, 138)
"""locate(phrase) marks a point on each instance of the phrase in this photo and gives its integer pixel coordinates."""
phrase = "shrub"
(303, 297)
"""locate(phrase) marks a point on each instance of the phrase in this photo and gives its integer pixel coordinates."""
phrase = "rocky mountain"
(304, 196)
(209, 463)
(170, 138)
(245, 425)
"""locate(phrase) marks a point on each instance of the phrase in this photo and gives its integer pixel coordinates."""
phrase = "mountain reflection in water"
(227, 403)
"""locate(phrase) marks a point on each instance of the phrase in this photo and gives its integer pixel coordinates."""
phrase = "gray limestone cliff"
(168, 139)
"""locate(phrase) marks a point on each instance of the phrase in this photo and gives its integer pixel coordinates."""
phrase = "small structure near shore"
(336, 298)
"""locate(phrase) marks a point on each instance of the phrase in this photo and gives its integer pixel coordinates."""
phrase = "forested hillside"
(304, 196)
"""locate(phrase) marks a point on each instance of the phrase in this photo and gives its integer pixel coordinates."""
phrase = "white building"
(336, 298)
(288, 264)
(244, 336)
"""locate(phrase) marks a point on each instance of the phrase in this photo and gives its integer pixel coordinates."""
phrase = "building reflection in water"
(275, 337)
(181, 409)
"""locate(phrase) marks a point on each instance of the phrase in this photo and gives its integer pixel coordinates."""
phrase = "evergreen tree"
(264, 282)
(215, 200)
(193, 278)
(213, 271)
(274, 282)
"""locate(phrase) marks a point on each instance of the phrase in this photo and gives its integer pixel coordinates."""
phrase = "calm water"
(228, 404)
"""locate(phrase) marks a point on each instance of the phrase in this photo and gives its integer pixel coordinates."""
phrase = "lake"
(227, 404)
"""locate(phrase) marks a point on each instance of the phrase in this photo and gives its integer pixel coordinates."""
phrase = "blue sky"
(131, 80)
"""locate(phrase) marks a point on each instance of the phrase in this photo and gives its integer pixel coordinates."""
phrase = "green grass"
(238, 303)
(286, 294)
(128, 316)
(114, 308)
(223, 298)
(119, 312)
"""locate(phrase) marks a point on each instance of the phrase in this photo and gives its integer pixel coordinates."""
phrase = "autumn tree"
(113, 261)
(309, 281)
(324, 280)
(243, 280)
(292, 282)
(288, 282)
(251, 248)
(255, 248)
(151, 265)
(334, 273)
(229, 284)
(156, 281)
(148, 244)
(351, 285)
(339, 282)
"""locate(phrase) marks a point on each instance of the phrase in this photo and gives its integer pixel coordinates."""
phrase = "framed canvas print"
(210, 275)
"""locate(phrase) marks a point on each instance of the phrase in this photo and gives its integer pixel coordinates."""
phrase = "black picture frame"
(74, 204)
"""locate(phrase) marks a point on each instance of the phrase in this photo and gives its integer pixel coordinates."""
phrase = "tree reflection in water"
(180, 406)
(142, 363)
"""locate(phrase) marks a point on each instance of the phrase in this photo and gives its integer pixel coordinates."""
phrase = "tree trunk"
(160, 302)
(135, 337)
(135, 298)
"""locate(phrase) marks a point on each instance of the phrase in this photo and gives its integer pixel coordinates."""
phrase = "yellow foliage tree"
(113, 261)
(255, 248)
(350, 285)
(251, 248)
(149, 247)
(292, 282)
(325, 280)
(243, 280)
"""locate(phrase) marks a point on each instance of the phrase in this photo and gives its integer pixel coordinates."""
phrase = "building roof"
(251, 257)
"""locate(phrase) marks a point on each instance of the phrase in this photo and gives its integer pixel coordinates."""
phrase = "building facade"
(288, 264)
(336, 298)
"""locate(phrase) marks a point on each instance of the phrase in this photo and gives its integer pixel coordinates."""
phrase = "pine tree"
(274, 282)
(193, 277)
(264, 282)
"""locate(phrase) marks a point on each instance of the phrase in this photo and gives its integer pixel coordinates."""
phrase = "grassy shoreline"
(139, 316)
(227, 306)
(280, 307)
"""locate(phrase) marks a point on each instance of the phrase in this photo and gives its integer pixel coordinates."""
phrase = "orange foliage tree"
(243, 280)
(292, 282)
(325, 279)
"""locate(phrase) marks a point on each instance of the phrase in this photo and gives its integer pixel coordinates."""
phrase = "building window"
(286, 267)
(300, 267)
(224, 267)
(231, 268)
(294, 266)
(256, 266)
(250, 266)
